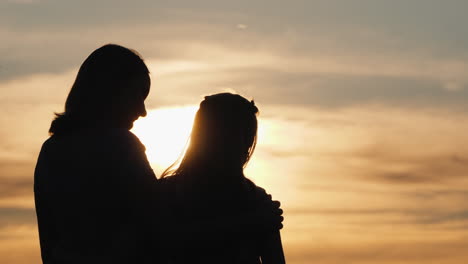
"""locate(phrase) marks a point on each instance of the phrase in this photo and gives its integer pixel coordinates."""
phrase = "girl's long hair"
(104, 89)
(223, 138)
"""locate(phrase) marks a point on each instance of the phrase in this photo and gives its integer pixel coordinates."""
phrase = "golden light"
(165, 133)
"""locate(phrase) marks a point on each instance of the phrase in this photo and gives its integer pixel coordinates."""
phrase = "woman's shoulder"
(119, 141)
(120, 136)
(110, 136)
(109, 146)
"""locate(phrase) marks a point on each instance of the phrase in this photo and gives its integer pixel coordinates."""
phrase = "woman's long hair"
(223, 138)
(108, 85)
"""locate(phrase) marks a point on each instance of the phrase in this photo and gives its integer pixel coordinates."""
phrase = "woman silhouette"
(209, 182)
(93, 184)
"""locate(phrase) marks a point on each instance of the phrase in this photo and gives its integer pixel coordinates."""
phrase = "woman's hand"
(268, 215)
(277, 213)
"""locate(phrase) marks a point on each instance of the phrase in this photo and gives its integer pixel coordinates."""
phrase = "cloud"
(433, 170)
(277, 86)
(378, 166)
(242, 26)
(327, 73)
(23, 1)
(410, 251)
(436, 217)
(15, 186)
(16, 183)
(16, 217)
(454, 86)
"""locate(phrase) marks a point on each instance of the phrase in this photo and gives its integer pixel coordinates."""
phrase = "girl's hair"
(223, 138)
(105, 89)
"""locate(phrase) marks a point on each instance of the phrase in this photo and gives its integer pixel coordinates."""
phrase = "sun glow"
(165, 134)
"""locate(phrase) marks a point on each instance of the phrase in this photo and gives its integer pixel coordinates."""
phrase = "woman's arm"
(272, 249)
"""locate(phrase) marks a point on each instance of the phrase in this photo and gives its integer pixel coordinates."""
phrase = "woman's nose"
(143, 112)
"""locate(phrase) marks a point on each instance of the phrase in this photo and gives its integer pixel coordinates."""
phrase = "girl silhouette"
(209, 182)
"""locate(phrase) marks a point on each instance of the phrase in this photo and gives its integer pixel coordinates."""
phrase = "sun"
(165, 134)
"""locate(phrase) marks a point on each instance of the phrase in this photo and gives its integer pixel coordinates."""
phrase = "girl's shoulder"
(167, 184)
(255, 192)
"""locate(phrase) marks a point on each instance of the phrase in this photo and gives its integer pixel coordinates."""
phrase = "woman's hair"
(224, 136)
(105, 90)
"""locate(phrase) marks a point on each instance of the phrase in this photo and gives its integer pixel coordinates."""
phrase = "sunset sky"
(363, 111)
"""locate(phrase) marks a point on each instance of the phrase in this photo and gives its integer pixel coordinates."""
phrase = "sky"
(363, 110)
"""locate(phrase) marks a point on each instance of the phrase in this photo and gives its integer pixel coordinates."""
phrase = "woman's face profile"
(136, 101)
